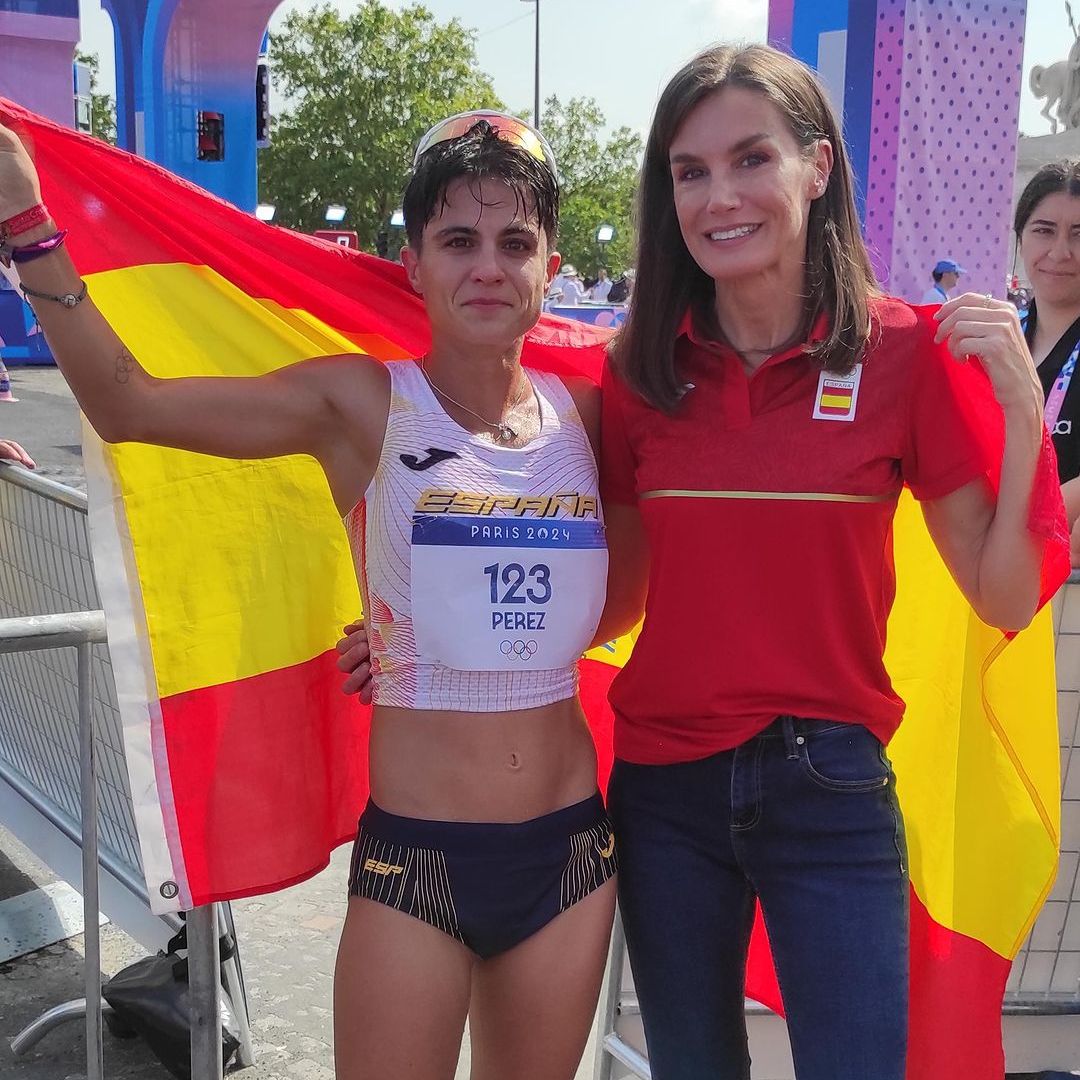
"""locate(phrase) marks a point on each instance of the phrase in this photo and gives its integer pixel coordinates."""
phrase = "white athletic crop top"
(483, 568)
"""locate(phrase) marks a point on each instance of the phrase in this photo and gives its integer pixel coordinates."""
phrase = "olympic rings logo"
(518, 650)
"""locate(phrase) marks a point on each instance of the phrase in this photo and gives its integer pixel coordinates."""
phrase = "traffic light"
(211, 136)
(382, 244)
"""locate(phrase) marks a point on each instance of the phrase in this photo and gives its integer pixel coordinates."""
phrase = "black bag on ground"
(150, 998)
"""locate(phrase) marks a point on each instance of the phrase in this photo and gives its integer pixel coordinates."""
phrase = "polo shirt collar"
(687, 328)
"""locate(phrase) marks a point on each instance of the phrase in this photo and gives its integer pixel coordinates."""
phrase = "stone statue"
(1060, 84)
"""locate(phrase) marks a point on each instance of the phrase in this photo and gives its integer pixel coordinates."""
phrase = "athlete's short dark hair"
(479, 154)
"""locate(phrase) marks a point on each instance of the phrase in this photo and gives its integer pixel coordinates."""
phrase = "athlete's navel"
(515, 760)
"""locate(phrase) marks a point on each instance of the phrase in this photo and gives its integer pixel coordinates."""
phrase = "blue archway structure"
(175, 60)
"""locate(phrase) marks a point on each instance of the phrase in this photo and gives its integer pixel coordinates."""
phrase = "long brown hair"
(839, 278)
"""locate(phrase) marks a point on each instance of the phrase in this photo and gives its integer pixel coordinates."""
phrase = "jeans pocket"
(845, 758)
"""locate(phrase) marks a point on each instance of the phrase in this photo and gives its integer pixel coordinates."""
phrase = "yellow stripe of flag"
(990, 771)
(179, 320)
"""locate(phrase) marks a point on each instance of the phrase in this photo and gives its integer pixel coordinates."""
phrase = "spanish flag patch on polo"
(837, 395)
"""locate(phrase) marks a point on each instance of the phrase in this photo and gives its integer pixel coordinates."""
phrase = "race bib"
(506, 594)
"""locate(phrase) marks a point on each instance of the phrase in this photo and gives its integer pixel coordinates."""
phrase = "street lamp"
(335, 214)
(265, 211)
(382, 240)
(604, 235)
(536, 105)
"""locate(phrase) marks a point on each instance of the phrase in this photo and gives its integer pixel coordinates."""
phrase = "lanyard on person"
(1056, 398)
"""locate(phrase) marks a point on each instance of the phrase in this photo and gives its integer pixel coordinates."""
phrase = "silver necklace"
(505, 432)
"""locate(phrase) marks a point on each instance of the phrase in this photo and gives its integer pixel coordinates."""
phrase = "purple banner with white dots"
(953, 119)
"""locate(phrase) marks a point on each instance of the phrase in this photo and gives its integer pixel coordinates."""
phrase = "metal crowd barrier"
(79, 630)
(1045, 978)
(63, 781)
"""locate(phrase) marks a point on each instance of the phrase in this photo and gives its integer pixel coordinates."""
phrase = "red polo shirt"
(768, 503)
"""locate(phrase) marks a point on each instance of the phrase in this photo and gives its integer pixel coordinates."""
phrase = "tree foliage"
(361, 89)
(102, 106)
(599, 177)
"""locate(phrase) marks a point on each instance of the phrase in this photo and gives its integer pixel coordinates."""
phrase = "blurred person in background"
(573, 292)
(621, 287)
(599, 292)
(946, 274)
(1047, 227)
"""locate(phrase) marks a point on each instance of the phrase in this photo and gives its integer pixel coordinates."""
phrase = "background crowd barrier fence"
(63, 781)
(612, 315)
(1045, 977)
(1042, 1002)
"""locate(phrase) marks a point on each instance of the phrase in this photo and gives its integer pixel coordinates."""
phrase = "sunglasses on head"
(509, 128)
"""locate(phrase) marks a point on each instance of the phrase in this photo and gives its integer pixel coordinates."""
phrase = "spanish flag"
(225, 584)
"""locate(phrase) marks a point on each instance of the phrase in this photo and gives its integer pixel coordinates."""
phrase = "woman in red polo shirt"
(763, 412)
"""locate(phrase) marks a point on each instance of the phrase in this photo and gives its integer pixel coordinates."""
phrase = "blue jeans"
(804, 818)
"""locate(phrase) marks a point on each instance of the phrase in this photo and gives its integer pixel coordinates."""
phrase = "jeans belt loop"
(792, 747)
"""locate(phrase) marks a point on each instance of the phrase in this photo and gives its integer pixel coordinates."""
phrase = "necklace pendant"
(506, 433)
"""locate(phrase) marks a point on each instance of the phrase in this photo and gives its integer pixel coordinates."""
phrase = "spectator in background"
(946, 274)
(1047, 228)
(1016, 295)
(557, 289)
(621, 288)
(573, 292)
(599, 292)
(5, 386)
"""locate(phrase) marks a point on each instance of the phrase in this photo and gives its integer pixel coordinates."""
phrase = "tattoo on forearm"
(125, 365)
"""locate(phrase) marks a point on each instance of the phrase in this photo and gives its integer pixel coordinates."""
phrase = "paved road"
(287, 939)
(45, 420)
